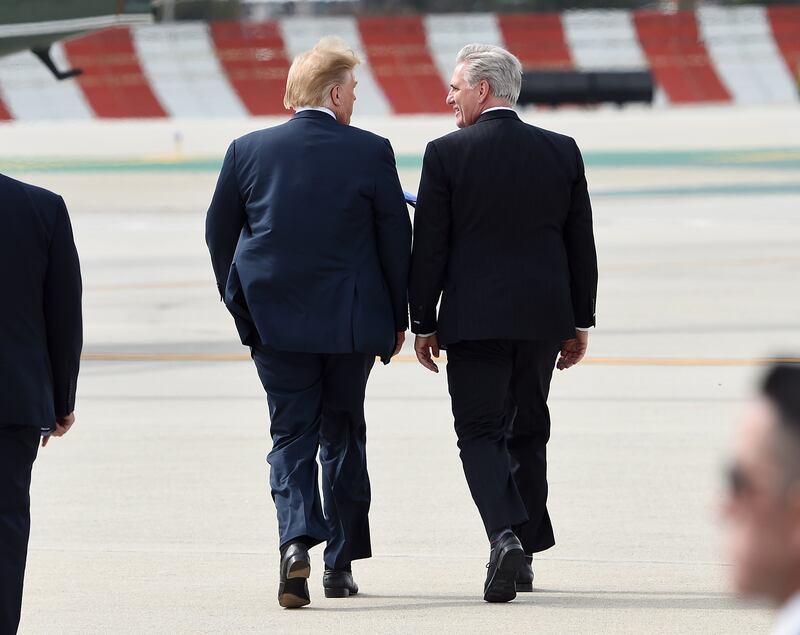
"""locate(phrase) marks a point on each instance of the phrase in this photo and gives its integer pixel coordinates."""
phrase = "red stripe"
(678, 58)
(785, 23)
(537, 40)
(5, 113)
(112, 81)
(402, 64)
(254, 58)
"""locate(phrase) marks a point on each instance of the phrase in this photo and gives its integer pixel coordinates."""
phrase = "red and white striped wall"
(741, 55)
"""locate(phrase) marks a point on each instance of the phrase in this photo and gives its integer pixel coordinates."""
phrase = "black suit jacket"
(40, 316)
(503, 232)
(310, 238)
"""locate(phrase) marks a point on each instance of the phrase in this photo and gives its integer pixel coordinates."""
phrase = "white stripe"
(183, 70)
(31, 92)
(448, 34)
(301, 34)
(603, 40)
(660, 97)
(75, 25)
(739, 41)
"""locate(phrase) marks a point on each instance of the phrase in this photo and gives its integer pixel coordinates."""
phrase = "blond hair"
(314, 73)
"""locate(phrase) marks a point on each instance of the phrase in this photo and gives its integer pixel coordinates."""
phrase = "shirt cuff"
(426, 334)
(582, 328)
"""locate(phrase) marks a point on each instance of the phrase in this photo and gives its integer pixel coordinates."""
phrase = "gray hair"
(495, 65)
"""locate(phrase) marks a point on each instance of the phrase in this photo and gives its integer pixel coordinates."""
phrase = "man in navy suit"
(40, 348)
(310, 240)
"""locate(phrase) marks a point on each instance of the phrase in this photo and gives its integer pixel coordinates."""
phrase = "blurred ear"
(793, 511)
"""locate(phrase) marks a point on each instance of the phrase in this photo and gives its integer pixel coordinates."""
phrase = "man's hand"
(573, 350)
(62, 427)
(424, 347)
(401, 338)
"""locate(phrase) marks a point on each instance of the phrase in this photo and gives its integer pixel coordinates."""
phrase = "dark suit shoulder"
(451, 138)
(474, 131)
(353, 134)
(365, 136)
(262, 135)
(553, 137)
(38, 195)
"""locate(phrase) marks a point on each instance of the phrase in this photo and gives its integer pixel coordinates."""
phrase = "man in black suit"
(503, 232)
(310, 240)
(40, 348)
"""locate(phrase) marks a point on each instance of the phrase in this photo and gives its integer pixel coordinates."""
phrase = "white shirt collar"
(788, 621)
(317, 108)
(496, 108)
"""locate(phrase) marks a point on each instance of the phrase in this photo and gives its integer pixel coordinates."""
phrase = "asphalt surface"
(153, 515)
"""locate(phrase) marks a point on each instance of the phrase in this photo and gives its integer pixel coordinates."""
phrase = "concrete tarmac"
(153, 515)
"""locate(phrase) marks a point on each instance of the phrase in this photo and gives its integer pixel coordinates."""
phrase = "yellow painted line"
(698, 264)
(768, 156)
(669, 361)
(592, 361)
(163, 357)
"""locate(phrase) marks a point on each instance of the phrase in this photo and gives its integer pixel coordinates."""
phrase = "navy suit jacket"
(40, 316)
(310, 238)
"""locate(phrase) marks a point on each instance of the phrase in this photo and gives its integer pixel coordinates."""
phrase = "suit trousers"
(499, 391)
(316, 404)
(18, 448)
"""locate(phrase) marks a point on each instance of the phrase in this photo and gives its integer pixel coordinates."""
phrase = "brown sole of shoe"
(290, 601)
(294, 594)
(299, 570)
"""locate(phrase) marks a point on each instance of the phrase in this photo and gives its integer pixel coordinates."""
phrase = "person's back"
(308, 261)
(41, 291)
(508, 273)
(40, 345)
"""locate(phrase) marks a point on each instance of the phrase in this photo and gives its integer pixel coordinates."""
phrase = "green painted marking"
(766, 158)
(702, 190)
(111, 165)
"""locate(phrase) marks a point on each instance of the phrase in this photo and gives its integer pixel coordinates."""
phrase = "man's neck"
(496, 103)
(326, 109)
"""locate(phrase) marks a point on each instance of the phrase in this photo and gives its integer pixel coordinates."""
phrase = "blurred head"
(762, 507)
(485, 77)
(324, 76)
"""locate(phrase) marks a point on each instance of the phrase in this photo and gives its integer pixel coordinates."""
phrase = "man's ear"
(484, 91)
(793, 509)
(336, 95)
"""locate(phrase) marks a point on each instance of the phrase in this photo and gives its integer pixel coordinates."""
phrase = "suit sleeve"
(62, 311)
(431, 243)
(393, 232)
(581, 252)
(225, 219)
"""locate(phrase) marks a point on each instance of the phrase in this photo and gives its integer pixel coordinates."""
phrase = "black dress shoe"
(339, 583)
(295, 570)
(525, 576)
(505, 561)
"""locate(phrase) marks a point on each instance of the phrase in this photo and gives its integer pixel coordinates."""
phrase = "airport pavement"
(153, 515)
